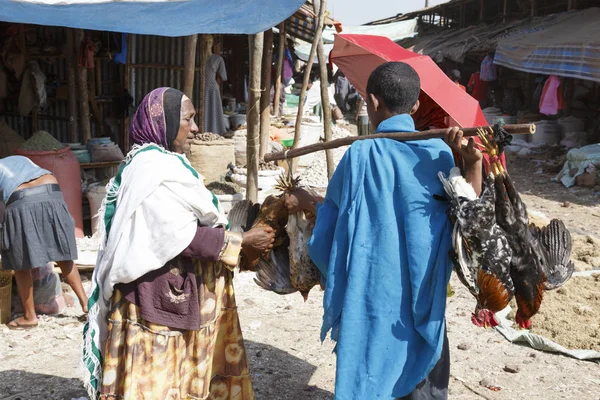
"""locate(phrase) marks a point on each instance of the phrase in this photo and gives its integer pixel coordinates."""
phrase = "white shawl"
(156, 202)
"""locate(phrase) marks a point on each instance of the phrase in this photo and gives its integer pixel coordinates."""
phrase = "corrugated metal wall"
(157, 61)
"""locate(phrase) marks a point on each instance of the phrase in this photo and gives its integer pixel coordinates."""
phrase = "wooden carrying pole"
(72, 86)
(265, 98)
(202, 88)
(189, 64)
(279, 70)
(309, 65)
(253, 118)
(82, 86)
(522, 129)
(327, 123)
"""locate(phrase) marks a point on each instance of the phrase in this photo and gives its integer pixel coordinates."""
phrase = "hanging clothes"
(488, 69)
(552, 99)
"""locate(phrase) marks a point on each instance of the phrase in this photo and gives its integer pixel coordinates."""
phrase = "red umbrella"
(358, 55)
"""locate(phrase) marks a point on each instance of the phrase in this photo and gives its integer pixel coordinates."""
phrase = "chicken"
(537, 254)
(287, 268)
(481, 251)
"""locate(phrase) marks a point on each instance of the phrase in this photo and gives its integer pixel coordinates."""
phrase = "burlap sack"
(211, 158)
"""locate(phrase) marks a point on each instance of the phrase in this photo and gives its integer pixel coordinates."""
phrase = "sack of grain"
(211, 158)
(9, 140)
(103, 153)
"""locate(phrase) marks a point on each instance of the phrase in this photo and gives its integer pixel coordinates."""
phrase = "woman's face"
(187, 127)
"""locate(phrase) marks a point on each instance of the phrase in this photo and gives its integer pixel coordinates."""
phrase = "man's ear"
(415, 107)
(374, 101)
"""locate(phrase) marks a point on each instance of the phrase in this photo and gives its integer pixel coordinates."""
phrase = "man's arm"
(471, 156)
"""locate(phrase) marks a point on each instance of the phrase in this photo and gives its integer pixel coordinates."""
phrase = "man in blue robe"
(382, 241)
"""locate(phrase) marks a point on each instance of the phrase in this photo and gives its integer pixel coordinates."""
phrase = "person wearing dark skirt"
(37, 229)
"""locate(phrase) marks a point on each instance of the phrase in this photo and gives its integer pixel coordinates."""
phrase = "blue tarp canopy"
(153, 17)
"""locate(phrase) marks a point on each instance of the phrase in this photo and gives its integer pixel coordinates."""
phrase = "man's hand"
(465, 148)
(300, 200)
(260, 239)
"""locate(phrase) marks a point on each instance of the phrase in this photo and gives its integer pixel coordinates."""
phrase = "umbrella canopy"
(358, 55)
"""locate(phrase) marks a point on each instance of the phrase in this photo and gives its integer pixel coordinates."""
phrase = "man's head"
(393, 89)
(455, 75)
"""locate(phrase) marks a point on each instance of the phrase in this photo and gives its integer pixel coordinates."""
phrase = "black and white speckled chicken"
(481, 250)
(540, 257)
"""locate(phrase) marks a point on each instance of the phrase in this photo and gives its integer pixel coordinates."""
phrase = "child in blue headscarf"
(381, 241)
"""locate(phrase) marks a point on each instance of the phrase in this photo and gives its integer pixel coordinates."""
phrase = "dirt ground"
(288, 362)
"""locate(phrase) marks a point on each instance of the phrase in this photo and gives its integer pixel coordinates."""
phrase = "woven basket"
(5, 295)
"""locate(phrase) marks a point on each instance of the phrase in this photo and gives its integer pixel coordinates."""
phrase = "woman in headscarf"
(162, 314)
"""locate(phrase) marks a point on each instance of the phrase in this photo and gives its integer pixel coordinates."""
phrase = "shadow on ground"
(20, 385)
(277, 375)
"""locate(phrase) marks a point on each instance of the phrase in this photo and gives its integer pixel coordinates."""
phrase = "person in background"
(455, 76)
(381, 241)
(163, 320)
(215, 76)
(342, 90)
(37, 229)
(478, 89)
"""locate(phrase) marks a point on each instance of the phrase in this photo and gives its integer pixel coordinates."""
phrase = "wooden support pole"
(265, 97)
(202, 99)
(252, 146)
(570, 5)
(327, 123)
(462, 15)
(505, 11)
(279, 70)
(82, 87)
(309, 65)
(446, 24)
(481, 11)
(189, 64)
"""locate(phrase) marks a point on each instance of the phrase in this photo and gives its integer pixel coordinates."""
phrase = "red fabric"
(477, 87)
(358, 55)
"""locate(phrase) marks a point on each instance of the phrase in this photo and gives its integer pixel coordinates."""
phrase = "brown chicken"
(287, 268)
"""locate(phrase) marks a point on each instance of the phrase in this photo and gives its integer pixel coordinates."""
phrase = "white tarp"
(395, 31)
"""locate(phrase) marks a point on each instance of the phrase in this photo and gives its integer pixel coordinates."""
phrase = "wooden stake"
(265, 98)
(327, 123)
(189, 64)
(253, 118)
(522, 129)
(309, 65)
(201, 100)
(82, 87)
(279, 71)
(481, 11)
(72, 86)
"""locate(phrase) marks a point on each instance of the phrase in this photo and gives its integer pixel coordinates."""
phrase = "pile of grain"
(570, 315)
(221, 188)
(586, 252)
(316, 174)
(42, 141)
(266, 166)
(208, 137)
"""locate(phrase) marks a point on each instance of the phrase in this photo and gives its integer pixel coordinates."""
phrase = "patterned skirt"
(146, 361)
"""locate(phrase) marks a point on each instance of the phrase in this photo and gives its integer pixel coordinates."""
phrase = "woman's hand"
(260, 239)
(465, 148)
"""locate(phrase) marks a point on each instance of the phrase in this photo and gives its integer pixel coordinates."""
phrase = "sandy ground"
(288, 362)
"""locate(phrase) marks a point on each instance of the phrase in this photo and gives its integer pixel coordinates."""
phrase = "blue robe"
(381, 241)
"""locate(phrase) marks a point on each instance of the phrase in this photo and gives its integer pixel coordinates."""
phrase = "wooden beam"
(252, 146)
(72, 86)
(481, 11)
(327, 123)
(202, 90)
(571, 5)
(189, 64)
(533, 4)
(265, 98)
(309, 65)
(126, 81)
(505, 11)
(462, 15)
(82, 87)
(279, 70)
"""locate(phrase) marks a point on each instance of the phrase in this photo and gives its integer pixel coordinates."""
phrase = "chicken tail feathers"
(557, 244)
(273, 273)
